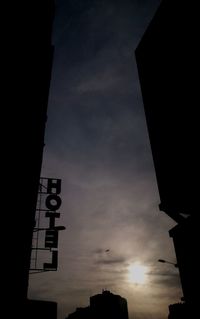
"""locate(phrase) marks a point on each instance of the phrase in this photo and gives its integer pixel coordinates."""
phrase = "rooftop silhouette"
(106, 305)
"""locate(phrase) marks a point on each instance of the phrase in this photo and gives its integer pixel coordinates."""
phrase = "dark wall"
(186, 243)
(167, 59)
(39, 309)
(168, 67)
(28, 61)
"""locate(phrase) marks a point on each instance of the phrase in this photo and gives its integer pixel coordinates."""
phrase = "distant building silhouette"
(168, 59)
(105, 306)
(108, 305)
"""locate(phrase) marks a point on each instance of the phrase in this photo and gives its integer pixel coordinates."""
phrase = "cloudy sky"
(97, 143)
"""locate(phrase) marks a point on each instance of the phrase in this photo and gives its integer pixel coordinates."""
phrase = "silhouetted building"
(186, 247)
(103, 306)
(178, 311)
(168, 59)
(28, 63)
(108, 305)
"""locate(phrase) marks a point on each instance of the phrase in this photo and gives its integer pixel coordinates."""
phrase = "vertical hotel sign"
(45, 233)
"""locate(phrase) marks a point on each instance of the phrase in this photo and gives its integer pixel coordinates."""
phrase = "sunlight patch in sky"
(137, 273)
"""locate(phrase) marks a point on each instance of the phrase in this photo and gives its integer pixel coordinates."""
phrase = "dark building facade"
(168, 63)
(167, 60)
(106, 305)
(29, 64)
(40, 309)
(187, 251)
(179, 311)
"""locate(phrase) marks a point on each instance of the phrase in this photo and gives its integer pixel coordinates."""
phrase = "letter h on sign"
(54, 186)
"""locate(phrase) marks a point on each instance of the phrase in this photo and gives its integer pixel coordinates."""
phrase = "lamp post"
(168, 262)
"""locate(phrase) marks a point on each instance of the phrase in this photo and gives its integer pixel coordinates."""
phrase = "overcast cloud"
(97, 143)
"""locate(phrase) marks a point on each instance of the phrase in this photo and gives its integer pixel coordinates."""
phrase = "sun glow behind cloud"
(137, 274)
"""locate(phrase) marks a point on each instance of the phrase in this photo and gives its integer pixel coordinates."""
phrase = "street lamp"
(168, 262)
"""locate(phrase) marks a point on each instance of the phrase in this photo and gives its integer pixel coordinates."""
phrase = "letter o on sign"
(53, 202)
